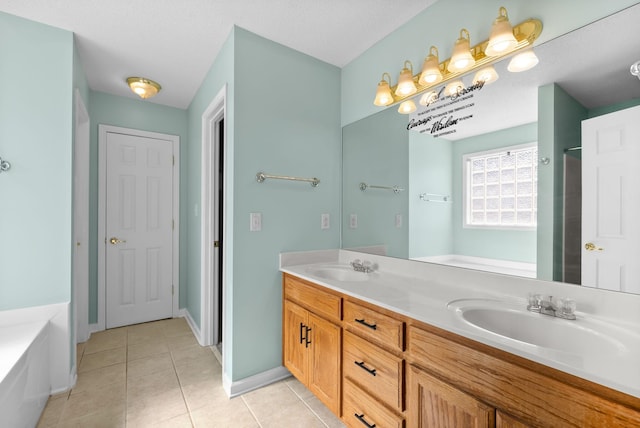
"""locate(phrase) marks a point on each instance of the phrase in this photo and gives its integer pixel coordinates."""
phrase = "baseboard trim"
(192, 324)
(233, 389)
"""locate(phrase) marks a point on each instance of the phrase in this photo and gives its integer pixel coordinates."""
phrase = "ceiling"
(175, 42)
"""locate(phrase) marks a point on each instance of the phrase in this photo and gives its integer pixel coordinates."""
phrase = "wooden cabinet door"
(505, 421)
(435, 404)
(295, 354)
(325, 355)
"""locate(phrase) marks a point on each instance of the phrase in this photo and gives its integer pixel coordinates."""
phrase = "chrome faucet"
(546, 306)
(362, 266)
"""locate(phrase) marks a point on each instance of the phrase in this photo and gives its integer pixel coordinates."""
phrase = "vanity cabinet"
(521, 392)
(436, 404)
(375, 367)
(312, 339)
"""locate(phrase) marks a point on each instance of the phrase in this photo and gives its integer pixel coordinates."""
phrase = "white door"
(611, 201)
(139, 211)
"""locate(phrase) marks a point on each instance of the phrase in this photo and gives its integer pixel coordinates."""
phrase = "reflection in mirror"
(544, 106)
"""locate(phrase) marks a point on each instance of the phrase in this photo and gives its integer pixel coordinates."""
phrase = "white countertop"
(422, 291)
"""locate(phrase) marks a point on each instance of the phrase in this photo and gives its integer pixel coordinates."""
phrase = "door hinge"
(173, 224)
(173, 160)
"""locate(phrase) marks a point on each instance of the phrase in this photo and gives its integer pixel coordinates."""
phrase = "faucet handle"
(568, 307)
(535, 302)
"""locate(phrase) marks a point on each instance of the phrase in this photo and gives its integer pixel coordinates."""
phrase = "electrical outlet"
(353, 221)
(325, 221)
(398, 221)
(255, 222)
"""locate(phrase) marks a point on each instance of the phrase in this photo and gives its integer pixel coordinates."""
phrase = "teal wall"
(105, 109)
(279, 123)
(559, 128)
(376, 150)
(514, 245)
(36, 122)
(430, 171)
(440, 24)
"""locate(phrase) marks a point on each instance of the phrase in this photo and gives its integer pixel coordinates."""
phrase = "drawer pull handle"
(366, 324)
(361, 419)
(361, 364)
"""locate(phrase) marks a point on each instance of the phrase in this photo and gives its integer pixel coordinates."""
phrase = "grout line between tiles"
(307, 404)
(186, 403)
(251, 411)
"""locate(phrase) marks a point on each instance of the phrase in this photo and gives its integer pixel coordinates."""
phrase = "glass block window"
(501, 187)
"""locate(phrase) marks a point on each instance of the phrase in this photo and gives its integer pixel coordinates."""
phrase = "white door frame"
(81, 202)
(102, 187)
(216, 110)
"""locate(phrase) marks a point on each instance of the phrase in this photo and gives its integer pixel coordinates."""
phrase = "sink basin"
(338, 273)
(580, 336)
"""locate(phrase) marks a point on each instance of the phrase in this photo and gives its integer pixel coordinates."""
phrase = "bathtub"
(527, 270)
(25, 381)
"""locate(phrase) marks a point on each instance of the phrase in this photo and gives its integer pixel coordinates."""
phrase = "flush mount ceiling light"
(463, 60)
(144, 88)
(502, 39)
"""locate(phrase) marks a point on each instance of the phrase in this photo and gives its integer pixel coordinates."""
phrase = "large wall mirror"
(405, 193)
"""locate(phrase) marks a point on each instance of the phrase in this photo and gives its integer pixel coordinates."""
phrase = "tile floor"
(156, 375)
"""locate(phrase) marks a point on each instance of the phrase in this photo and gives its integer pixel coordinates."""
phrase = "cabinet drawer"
(381, 329)
(374, 369)
(316, 300)
(359, 409)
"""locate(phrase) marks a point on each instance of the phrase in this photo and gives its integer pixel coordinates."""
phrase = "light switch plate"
(255, 222)
(325, 221)
(353, 221)
(398, 221)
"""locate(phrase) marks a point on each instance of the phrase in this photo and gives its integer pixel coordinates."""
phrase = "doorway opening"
(213, 225)
(219, 162)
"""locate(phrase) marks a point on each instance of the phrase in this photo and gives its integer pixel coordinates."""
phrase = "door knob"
(115, 241)
(590, 246)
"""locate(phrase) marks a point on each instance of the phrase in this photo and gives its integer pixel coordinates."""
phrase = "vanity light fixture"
(407, 107)
(428, 98)
(461, 60)
(452, 88)
(406, 85)
(502, 39)
(525, 34)
(487, 75)
(143, 87)
(523, 61)
(431, 73)
(383, 94)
